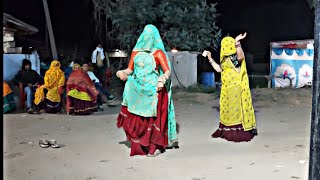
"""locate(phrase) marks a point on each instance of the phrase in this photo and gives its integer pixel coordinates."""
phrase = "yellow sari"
(53, 80)
(235, 100)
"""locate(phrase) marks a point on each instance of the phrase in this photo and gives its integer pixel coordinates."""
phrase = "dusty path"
(93, 148)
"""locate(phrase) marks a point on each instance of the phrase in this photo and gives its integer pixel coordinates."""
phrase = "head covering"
(149, 40)
(54, 69)
(76, 65)
(227, 47)
(25, 62)
(53, 80)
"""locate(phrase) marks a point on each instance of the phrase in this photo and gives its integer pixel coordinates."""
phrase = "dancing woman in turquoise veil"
(147, 113)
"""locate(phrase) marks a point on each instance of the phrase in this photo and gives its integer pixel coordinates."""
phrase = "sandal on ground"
(100, 108)
(44, 143)
(53, 143)
(111, 98)
(174, 145)
(156, 153)
(30, 110)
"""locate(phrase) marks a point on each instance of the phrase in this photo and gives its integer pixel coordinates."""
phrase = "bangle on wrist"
(165, 76)
(124, 72)
(117, 74)
(162, 79)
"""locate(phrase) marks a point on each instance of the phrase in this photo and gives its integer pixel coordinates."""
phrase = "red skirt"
(146, 134)
(80, 107)
(234, 133)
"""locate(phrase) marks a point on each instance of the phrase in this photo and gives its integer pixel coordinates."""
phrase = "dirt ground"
(93, 148)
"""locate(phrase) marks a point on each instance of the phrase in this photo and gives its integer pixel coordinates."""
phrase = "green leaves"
(190, 25)
(183, 24)
(312, 3)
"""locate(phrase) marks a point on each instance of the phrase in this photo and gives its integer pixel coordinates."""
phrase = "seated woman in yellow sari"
(49, 94)
(237, 119)
(8, 99)
(81, 93)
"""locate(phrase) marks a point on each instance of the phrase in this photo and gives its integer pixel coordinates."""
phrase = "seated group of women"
(78, 90)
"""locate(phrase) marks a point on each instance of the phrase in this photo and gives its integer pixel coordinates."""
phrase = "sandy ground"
(93, 148)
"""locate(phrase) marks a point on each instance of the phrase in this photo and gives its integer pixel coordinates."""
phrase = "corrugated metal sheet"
(18, 24)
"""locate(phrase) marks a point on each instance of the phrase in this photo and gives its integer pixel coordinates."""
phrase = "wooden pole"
(49, 26)
(314, 163)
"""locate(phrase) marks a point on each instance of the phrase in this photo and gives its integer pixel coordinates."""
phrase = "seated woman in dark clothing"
(29, 79)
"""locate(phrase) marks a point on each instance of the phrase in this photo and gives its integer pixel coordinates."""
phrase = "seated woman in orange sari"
(81, 93)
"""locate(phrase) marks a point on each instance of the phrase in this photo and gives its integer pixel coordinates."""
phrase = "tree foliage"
(185, 24)
(312, 3)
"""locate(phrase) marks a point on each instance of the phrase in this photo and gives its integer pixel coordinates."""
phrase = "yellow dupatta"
(53, 79)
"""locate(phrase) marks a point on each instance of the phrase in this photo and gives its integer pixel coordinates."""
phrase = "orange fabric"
(161, 60)
(81, 81)
(159, 56)
(6, 89)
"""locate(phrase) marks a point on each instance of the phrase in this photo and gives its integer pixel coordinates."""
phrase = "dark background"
(264, 21)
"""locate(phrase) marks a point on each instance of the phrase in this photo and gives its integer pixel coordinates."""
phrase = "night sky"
(264, 20)
(72, 22)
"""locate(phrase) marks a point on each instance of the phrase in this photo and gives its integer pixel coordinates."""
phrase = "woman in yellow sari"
(50, 92)
(237, 119)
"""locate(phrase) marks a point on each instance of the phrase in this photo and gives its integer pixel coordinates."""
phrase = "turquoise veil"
(150, 41)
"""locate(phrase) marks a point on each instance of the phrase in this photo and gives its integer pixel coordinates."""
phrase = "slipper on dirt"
(156, 153)
(53, 143)
(174, 145)
(44, 143)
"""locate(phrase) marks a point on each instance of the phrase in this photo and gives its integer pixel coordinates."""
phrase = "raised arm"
(240, 53)
(215, 66)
